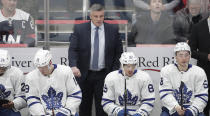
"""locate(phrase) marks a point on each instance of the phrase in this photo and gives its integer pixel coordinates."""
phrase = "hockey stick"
(125, 92)
(125, 97)
(181, 92)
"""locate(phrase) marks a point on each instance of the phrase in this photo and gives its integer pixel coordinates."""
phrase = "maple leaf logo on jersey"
(130, 99)
(186, 95)
(52, 100)
(3, 93)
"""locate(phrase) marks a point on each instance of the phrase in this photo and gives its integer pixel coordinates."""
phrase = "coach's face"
(97, 17)
(9, 5)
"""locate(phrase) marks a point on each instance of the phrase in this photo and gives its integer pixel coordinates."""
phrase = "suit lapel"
(89, 37)
(106, 34)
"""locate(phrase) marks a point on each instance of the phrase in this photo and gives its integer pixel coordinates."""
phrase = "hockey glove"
(188, 113)
(63, 112)
(122, 112)
(137, 114)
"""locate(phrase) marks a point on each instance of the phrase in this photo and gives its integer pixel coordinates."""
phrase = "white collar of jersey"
(121, 72)
(189, 66)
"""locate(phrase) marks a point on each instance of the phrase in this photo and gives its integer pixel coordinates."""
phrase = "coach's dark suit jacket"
(200, 39)
(199, 42)
(80, 48)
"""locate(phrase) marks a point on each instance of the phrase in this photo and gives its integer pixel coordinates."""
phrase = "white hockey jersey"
(17, 29)
(47, 94)
(12, 87)
(140, 93)
(194, 88)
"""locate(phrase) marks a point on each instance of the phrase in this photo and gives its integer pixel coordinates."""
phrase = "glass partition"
(148, 22)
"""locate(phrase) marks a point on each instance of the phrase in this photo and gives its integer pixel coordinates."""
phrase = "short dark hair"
(96, 7)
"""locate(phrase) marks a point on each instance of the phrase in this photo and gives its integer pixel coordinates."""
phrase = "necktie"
(96, 50)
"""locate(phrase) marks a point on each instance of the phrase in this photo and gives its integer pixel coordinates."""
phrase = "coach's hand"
(76, 71)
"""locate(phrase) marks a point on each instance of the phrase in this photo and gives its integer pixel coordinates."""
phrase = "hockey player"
(12, 97)
(183, 87)
(52, 88)
(17, 26)
(128, 90)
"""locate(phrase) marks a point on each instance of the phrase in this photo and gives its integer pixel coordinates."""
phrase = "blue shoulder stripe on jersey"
(33, 103)
(107, 103)
(104, 99)
(76, 93)
(32, 97)
(149, 104)
(164, 96)
(203, 99)
(201, 95)
(145, 111)
(149, 99)
(75, 96)
(165, 90)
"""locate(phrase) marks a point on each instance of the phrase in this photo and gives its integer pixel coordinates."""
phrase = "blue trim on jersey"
(55, 66)
(68, 110)
(201, 95)
(145, 111)
(163, 96)
(75, 96)
(120, 71)
(149, 99)
(32, 104)
(131, 109)
(192, 110)
(113, 110)
(148, 104)
(104, 99)
(203, 99)
(76, 93)
(189, 66)
(31, 97)
(107, 103)
(135, 71)
(165, 90)
(196, 108)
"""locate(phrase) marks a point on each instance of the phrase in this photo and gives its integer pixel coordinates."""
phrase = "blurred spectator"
(16, 25)
(155, 27)
(167, 4)
(101, 2)
(187, 17)
(30, 6)
(199, 42)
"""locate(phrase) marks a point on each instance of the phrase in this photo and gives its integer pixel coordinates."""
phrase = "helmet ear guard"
(182, 46)
(4, 58)
(42, 58)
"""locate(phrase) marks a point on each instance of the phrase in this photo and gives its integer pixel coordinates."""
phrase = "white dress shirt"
(101, 62)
